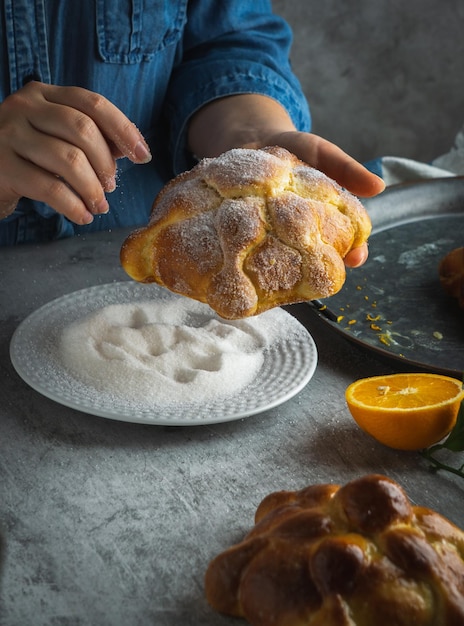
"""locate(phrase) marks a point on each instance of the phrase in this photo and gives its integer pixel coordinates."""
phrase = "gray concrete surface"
(382, 77)
(106, 523)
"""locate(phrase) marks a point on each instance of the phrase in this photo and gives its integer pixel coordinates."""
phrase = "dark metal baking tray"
(394, 304)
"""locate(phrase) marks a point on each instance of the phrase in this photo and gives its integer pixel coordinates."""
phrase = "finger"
(354, 177)
(7, 206)
(28, 117)
(68, 162)
(334, 162)
(30, 181)
(82, 135)
(357, 256)
(113, 124)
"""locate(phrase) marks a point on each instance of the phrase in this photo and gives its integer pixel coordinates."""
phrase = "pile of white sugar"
(174, 351)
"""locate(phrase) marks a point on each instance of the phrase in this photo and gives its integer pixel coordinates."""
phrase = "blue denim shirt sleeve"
(231, 48)
(152, 59)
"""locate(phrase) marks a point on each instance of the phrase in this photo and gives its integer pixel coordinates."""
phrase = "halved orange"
(406, 411)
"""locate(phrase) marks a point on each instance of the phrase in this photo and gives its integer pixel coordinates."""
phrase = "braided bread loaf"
(451, 272)
(356, 555)
(247, 231)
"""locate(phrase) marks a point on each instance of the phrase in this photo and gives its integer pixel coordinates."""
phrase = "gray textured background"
(382, 77)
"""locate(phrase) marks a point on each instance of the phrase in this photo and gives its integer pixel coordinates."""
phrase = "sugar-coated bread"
(451, 272)
(247, 231)
(357, 555)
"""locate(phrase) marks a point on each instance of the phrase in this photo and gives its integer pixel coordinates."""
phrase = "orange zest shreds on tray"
(385, 339)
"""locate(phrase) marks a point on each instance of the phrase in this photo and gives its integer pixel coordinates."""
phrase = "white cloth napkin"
(395, 170)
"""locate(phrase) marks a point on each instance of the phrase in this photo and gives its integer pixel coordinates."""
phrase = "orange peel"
(406, 411)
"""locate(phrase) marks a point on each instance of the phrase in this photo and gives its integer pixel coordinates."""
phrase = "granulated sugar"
(166, 351)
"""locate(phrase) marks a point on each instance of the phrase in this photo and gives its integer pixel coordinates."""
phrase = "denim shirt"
(158, 61)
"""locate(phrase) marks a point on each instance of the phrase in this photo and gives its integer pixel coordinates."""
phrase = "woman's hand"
(255, 121)
(59, 145)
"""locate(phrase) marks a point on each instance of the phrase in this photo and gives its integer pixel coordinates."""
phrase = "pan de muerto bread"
(247, 231)
(451, 272)
(357, 555)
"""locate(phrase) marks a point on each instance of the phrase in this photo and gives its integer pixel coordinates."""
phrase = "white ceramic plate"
(289, 363)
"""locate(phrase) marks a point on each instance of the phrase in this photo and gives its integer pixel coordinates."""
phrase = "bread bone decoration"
(451, 272)
(247, 231)
(357, 555)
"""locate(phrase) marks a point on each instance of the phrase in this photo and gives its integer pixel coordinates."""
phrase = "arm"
(234, 87)
(255, 121)
(231, 49)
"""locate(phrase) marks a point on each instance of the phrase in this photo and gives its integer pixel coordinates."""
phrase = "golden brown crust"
(451, 272)
(247, 231)
(355, 555)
